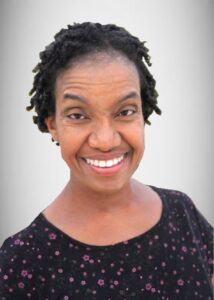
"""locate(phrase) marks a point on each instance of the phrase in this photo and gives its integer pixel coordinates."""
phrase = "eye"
(76, 116)
(127, 112)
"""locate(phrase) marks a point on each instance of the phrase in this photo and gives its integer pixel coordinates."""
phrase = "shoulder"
(17, 257)
(182, 208)
(175, 197)
(21, 246)
(21, 239)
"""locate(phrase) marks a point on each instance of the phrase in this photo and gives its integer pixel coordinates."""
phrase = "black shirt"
(172, 260)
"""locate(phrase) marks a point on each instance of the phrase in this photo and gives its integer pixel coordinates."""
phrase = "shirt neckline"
(127, 242)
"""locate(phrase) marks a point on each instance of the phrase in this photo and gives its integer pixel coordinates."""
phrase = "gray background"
(179, 144)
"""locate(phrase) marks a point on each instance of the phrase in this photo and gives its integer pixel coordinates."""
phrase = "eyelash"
(133, 111)
(73, 116)
(76, 114)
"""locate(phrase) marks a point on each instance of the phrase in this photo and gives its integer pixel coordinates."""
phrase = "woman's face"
(99, 122)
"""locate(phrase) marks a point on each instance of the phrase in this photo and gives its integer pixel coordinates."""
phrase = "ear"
(52, 128)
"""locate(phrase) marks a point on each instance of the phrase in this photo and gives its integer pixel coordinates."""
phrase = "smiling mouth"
(105, 163)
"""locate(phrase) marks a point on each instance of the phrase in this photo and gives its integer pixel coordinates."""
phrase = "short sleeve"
(204, 232)
(14, 276)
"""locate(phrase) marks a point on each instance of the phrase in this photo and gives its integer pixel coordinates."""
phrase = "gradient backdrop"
(179, 144)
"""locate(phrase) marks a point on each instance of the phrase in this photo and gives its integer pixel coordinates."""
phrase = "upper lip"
(105, 156)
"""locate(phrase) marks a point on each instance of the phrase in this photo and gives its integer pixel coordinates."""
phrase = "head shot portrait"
(105, 233)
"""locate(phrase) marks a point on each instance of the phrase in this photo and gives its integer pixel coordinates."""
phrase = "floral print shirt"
(173, 260)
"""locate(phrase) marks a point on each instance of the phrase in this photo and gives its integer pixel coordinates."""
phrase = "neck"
(83, 200)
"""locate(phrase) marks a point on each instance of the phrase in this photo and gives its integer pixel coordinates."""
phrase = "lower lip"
(108, 170)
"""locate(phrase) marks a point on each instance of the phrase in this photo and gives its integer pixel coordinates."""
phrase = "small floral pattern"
(173, 260)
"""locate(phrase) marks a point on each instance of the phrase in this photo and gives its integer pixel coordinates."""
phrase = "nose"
(104, 137)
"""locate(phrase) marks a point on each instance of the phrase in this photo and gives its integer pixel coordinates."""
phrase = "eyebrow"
(82, 99)
(74, 97)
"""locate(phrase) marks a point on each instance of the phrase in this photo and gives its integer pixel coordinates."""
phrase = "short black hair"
(83, 39)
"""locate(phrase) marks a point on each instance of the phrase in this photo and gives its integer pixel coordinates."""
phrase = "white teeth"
(101, 164)
(104, 163)
(96, 163)
(109, 163)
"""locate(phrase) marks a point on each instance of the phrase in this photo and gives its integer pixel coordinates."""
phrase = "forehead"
(99, 71)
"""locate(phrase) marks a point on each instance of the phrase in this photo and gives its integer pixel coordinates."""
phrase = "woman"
(106, 236)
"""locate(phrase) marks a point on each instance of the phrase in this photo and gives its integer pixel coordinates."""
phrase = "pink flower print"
(21, 285)
(184, 249)
(148, 286)
(156, 237)
(24, 273)
(83, 282)
(66, 297)
(91, 261)
(29, 276)
(17, 242)
(116, 282)
(60, 270)
(134, 270)
(86, 257)
(198, 283)
(52, 236)
(5, 277)
(57, 253)
(180, 282)
(163, 264)
(71, 279)
(153, 290)
(100, 282)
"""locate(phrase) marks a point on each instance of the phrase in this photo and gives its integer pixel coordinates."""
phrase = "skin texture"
(99, 116)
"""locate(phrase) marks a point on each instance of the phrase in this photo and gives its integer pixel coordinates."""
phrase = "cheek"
(70, 144)
(136, 136)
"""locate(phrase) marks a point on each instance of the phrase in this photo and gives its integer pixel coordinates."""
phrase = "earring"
(57, 143)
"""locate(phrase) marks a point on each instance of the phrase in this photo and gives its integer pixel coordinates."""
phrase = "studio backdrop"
(179, 143)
